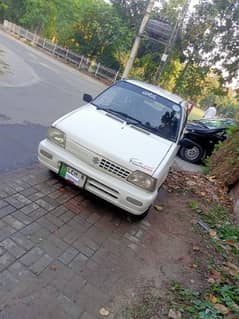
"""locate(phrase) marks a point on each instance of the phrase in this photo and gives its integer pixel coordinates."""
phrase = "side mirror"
(87, 98)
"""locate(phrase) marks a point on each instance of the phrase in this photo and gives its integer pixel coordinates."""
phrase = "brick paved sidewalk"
(66, 254)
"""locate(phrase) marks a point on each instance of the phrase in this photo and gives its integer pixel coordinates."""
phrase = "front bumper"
(112, 189)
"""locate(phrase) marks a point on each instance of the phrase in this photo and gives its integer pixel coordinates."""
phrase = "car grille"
(113, 168)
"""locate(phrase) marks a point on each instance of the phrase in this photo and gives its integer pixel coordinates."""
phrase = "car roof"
(156, 89)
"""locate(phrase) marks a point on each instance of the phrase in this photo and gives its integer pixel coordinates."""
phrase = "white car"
(120, 145)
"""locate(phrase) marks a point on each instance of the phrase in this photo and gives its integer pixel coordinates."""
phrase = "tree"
(40, 16)
(100, 32)
(130, 11)
(3, 10)
(14, 10)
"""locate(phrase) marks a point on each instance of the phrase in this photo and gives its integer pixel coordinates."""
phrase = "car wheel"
(193, 154)
(137, 218)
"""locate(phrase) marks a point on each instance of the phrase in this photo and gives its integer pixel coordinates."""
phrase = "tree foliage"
(203, 61)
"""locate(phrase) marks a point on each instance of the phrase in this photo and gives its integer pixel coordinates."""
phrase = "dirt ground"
(168, 252)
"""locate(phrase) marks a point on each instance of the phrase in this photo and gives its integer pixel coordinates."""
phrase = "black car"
(199, 140)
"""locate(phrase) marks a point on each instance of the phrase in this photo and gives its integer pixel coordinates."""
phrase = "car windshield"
(142, 108)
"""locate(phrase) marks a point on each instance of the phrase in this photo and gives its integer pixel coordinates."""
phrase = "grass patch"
(219, 219)
(221, 298)
(217, 302)
(215, 216)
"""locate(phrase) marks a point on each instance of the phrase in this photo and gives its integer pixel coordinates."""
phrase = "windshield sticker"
(149, 94)
(176, 108)
(138, 163)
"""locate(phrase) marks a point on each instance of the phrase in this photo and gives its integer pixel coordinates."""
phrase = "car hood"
(110, 137)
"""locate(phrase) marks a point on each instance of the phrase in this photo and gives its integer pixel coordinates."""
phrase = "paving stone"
(8, 191)
(63, 231)
(7, 281)
(66, 217)
(40, 235)
(3, 194)
(97, 298)
(51, 249)
(13, 222)
(139, 233)
(44, 188)
(63, 279)
(3, 203)
(86, 315)
(22, 217)
(5, 261)
(133, 246)
(6, 232)
(17, 188)
(44, 204)
(2, 224)
(4, 211)
(18, 201)
(57, 241)
(41, 264)
(55, 194)
(29, 208)
(68, 255)
(22, 241)
(78, 263)
(2, 251)
(12, 248)
(47, 224)
(36, 196)
(31, 229)
(132, 238)
(20, 271)
(64, 198)
(72, 310)
(101, 255)
(79, 224)
(93, 218)
(29, 191)
(32, 256)
(145, 223)
(72, 236)
(97, 235)
(55, 220)
(83, 248)
(58, 211)
(85, 213)
(36, 214)
(54, 182)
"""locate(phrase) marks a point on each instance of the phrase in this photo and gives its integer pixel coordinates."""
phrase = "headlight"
(56, 136)
(142, 180)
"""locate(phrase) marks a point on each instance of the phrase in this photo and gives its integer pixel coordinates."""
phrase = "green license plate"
(72, 175)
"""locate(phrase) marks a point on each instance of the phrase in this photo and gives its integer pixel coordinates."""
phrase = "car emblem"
(95, 160)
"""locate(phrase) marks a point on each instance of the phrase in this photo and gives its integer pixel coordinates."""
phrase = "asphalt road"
(35, 90)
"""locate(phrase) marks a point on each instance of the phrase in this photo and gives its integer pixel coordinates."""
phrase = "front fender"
(188, 142)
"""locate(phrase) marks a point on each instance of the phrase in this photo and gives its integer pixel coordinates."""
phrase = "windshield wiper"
(125, 115)
(129, 119)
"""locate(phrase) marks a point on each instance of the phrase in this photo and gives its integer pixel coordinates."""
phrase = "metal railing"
(80, 61)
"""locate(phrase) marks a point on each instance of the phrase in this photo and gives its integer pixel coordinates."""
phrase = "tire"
(138, 218)
(194, 154)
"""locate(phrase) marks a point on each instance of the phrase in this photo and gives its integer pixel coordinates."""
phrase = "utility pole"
(170, 45)
(135, 47)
